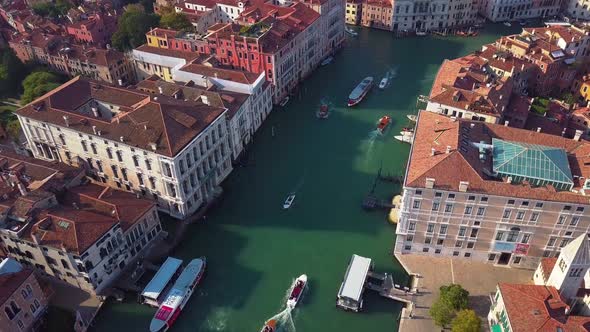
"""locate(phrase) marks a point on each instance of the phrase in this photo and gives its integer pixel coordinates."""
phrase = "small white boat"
(508, 24)
(327, 61)
(351, 32)
(421, 33)
(412, 117)
(405, 138)
(288, 201)
(284, 101)
(296, 291)
(383, 83)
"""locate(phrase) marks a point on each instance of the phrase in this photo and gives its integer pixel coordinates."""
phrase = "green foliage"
(13, 129)
(540, 105)
(175, 21)
(52, 10)
(37, 84)
(12, 71)
(455, 296)
(568, 98)
(441, 312)
(466, 321)
(132, 27)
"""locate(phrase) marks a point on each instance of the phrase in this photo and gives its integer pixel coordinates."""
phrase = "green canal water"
(255, 249)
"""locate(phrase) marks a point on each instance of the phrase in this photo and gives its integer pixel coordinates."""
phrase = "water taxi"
(412, 117)
(384, 82)
(508, 24)
(383, 123)
(360, 91)
(324, 111)
(269, 326)
(288, 201)
(327, 61)
(284, 102)
(297, 291)
(351, 32)
(421, 33)
(178, 296)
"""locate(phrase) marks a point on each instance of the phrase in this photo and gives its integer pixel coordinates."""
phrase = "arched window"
(9, 312)
(24, 294)
(33, 309)
(29, 289)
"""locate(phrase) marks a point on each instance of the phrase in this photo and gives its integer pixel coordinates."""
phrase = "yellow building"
(353, 12)
(159, 37)
(585, 90)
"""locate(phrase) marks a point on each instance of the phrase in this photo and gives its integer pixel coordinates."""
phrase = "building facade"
(466, 195)
(500, 11)
(377, 14)
(354, 9)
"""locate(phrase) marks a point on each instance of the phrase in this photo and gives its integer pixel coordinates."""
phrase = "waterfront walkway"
(480, 279)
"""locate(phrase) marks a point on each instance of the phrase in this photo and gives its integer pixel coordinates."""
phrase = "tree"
(12, 71)
(175, 21)
(37, 84)
(466, 321)
(442, 312)
(455, 296)
(52, 10)
(132, 27)
(13, 129)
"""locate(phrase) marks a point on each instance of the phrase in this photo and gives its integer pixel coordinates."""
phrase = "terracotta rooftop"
(188, 56)
(462, 163)
(233, 75)
(547, 265)
(532, 308)
(145, 121)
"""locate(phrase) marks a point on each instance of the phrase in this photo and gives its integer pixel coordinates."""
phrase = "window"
(437, 194)
(491, 257)
(470, 245)
(561, 220)
(443, 229)
(525, 203)
(468, 210)
(119, 155)
(511, 202)
(416, 205)
(539, 205)
(418, 192)
(484, 199)
(430, 228)
(409, 238)
(506, 213)
(513, 234)
(567, 208)
(574, 221)
(135, 161)
(481, 211)
(439, 242)
(148, 164)
(564, 243)
(580, 209)
(499, 236)
(110, 153)
(428, 240)
(437, 251)
(84, 146)
(412, 226)
(534, 216)
(520, 215)
(517, 260)
(93, 147)
(471, 198)
(455, 253)
(551, 242)
(451, 196)
(449, 208)
(467, 254)
(462, 231)
(21, 325)
(458, 244)
(474, 232)
(525, 238)
(435, 206)
(562, 265)
(425, 249)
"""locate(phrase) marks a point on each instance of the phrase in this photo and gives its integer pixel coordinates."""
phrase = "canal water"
(255, 249)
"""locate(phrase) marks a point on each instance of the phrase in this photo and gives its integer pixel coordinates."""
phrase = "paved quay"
(480, 279)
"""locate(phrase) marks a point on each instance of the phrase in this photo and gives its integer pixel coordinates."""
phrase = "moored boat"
(412, 117)
(360, 91)
(289, 201)
(383, 123)
(297, 291)
(284, 102)
(327, 61)
(351, 32)
(405, 138)
(508, 24)
(324, 111)
(383, 83)
(421, 33)
(407, 130)
(178, 296)
(269, 326)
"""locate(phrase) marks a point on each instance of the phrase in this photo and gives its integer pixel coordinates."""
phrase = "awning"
(496, 328)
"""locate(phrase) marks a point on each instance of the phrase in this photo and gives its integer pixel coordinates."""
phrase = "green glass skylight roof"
(538, 164)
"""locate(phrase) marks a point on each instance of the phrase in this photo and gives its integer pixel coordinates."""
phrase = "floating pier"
(371, 202)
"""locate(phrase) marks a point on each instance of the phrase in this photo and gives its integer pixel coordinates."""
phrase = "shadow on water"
(254, 248)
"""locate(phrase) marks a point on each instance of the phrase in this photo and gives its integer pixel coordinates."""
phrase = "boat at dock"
(421, 33)
(383, 123)
(327, 61)
(407, 131)
(269, 326)
(360, 91)
(405, 137)
(324, 111)
(508, 24)
(351, 32)
(412, 117)
(296, 291)
(288, 201)
(284, 102)
(178, 296)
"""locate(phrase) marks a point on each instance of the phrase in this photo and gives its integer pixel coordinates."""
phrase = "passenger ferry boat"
(383, 123)
(357, 95)
(178, 296)
(297, 291)
(269, 326)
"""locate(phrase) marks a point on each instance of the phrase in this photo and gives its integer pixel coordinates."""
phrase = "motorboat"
(421, 33)
(296, 291)
(324, 111)
(405, 138)
(327, 61)
(360, 91)
(412, 117)
(178, 296)
(508, 24)
(269, 326)
(383, 123)
(289, 201)
(407, 130)
(351, 32)
(284, 102)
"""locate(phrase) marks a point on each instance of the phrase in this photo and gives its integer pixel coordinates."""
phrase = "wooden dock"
(386, 287)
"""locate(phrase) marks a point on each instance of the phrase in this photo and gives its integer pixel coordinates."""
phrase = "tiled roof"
(11, 282)
(145, 119)
(233, 75)
(547, 265)
(188, 56)
(463, 163)
(532, 308)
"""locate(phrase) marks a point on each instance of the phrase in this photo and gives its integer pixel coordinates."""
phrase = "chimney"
(538, 129)
(204, 99)
(22, 188)
(66, 120)
(448, 149)
(94, 129)
(578, 135)
(506, 123)
(99, 133)
(75, 206)
(563, 132)
(432, 151)
(509, 180)
(153, 146)
(122, 139)
(120, 81)
(95, 112)
(35, 238)
(429, 183)
(463, 185)
(161, 90)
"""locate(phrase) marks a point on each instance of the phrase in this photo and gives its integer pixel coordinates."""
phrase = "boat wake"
(284, 320)
(218, 320)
